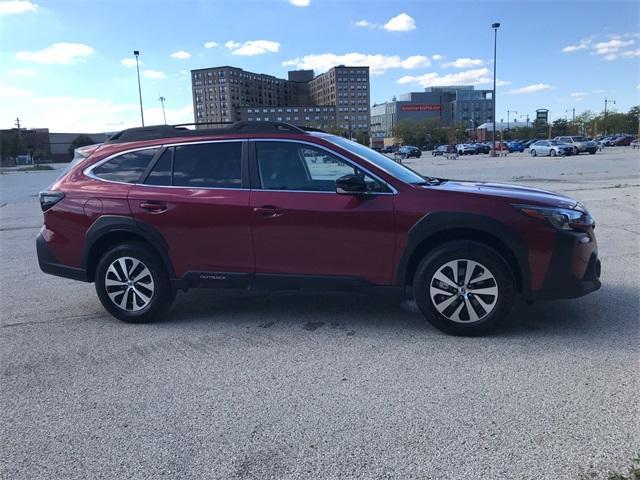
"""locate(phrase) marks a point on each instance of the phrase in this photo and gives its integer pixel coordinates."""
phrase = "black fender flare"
(435, 223)
(108, 224)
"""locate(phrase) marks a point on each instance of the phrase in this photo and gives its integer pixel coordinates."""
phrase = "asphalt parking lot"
(307, 385)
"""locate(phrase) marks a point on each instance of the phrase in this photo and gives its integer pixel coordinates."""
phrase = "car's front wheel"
(464, 288)
(534, 153)
(552, 153)
(132, 283)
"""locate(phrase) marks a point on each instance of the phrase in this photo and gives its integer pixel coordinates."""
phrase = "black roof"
(155, 132)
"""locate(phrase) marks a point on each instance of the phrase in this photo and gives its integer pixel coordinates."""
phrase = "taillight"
(49, 198)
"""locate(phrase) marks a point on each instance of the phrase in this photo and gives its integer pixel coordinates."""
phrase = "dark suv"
(269, 205)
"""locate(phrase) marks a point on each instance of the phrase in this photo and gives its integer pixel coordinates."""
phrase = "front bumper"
(49, 263)
(574, 269)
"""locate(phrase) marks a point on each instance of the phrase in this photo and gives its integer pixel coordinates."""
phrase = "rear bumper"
(574, 270)
(49, 264)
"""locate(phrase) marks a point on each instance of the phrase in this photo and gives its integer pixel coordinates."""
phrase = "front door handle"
(153, 206)
(269, 211)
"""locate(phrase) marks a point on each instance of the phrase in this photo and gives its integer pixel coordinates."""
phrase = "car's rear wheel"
(132, 283)
(552, 152)
(464, 288)
(576, 151)
(534, 153)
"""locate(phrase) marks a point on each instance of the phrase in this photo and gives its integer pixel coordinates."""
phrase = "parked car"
(610, 140)
(514, 146)
(634, 144)
(481, 147)
(270, 205)
(579, 144)
(527, 143)
(465, 149)
(407, 151)
(391, 149)
(623, 141)
(443, 150)
(550, 147)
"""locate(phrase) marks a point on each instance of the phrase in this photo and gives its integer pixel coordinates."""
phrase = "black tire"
(161, 297)
(534, 153)
(576, 151)
(552, 153)
(592, 151)
(490, 261)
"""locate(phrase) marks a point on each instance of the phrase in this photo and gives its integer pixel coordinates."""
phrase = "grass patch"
(632, 473)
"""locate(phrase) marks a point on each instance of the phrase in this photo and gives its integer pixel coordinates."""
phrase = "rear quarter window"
(125, 168)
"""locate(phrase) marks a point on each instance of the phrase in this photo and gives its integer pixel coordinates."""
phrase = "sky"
(69, 66)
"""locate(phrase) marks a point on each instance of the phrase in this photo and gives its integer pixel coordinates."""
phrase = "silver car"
(549, 147)
(579, 144)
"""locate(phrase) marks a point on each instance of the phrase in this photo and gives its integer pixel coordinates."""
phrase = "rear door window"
(208, 165)
(125, 168)
(161, 172)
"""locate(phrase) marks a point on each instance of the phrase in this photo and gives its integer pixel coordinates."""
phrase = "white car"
(465, 149)
(549, 147)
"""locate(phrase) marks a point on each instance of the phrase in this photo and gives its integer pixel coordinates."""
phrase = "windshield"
(379, 160)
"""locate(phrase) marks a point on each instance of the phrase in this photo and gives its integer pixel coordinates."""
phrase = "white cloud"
(154, 74)
(433, 79)
(500, 83)
(437, 57)
(536, 87)
(89, 114)
(400, 23)
(22, 72)
(184, 72)
(378, 64)
(638, 86)
(129, 62)
(181, 55)
(15, 7)
(612, 46)
(575, 48)
(464, 63)
(579, 94)
(58, 53)
(300, 3)
(11, 92)
(252, 47)
(631, 53)
(210, 44)
(365, 24)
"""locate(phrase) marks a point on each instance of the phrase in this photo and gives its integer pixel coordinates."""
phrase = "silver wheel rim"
(464, 291)
(129, 284)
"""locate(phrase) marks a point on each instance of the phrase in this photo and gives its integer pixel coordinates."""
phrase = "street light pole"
(508, 113)
(136, 53)
(604, 126)
(495, 27)
(162, 100)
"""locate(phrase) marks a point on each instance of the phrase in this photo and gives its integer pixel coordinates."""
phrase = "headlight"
(560, 218)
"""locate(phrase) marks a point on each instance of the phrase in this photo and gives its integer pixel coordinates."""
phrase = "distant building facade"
(451, 105)
(339, 97)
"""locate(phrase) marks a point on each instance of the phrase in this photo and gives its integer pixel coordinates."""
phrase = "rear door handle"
(269, 211)
(154, 206)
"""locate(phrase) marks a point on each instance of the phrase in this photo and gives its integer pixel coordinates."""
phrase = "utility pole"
(18, 123)
(508, 113)
(137, 53)
(604, 121)
(162, 100)
(495, 27)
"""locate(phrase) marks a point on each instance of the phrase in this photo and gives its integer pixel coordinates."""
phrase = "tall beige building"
(339, 97)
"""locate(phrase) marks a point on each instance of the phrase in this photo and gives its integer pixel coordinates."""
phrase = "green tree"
(80, 141)
(409, 132)
(559, 127)
(12, 144)
(362, 138)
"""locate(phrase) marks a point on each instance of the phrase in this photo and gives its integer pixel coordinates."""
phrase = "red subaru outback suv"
(269, 205)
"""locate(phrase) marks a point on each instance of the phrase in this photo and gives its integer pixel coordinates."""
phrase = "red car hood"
(510, 193)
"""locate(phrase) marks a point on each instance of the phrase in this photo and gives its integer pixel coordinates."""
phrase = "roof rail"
(155, 132)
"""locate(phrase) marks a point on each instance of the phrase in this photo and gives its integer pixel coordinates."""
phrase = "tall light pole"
(508, 112)
(604, 126)
(136, 53)
(162, 100)
(495, 27)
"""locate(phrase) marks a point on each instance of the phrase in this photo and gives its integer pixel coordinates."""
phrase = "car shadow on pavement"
(604, 313)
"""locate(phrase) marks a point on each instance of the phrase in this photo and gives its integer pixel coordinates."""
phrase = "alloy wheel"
(129, 284)
(464, 291)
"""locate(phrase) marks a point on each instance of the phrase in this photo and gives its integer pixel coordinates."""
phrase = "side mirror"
(350, 185)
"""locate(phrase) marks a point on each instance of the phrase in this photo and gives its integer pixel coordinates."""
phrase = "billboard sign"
(420, 107)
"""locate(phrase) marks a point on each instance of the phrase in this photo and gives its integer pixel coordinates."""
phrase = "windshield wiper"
(430, 181)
